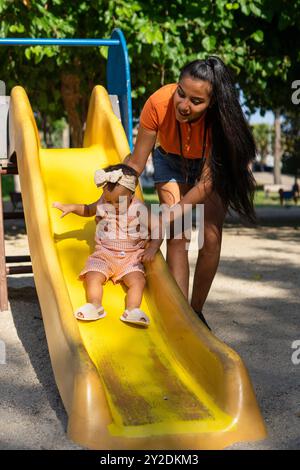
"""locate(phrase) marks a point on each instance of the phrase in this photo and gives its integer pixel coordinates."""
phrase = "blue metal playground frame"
(117, 72)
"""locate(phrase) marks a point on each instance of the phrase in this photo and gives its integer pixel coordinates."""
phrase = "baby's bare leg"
(135, 282)
(94, 287)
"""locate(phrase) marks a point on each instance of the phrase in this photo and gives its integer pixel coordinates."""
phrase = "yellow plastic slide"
(171, 386)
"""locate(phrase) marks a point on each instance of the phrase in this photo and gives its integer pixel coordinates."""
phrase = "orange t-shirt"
(158, 114)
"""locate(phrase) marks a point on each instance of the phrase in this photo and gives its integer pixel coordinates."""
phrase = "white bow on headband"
(116, 176)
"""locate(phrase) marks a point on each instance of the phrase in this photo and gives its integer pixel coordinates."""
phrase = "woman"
(205, 151)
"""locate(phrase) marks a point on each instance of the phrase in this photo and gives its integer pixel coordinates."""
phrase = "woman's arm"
(153, 225)
(197, 195)
(143, 147)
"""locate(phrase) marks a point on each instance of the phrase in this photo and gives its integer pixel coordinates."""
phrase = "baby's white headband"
(116, 176)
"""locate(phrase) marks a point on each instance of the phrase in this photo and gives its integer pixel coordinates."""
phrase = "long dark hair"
(233, 145)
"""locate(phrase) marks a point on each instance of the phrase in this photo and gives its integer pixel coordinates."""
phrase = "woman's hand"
(64, 208)
(148, 255)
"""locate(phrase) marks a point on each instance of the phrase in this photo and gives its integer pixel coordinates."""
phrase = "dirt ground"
(253, 306)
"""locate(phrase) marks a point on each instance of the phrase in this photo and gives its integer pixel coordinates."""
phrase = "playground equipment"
(171, 386)
(119, 88)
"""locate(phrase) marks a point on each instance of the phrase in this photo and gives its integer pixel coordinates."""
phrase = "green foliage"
(260, 200)
(264, 139)
(258, 39)
(7, 186)
(39, 68)
(258, 35)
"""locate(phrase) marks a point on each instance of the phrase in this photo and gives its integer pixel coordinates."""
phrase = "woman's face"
(191, 99)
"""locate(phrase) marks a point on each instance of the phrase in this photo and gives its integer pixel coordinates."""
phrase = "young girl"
(122, 232)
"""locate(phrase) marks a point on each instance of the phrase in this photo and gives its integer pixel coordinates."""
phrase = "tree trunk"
(277, 148)
(47, 132)
(70, 90)
(162, 75)
(66, 137)
(17, 186)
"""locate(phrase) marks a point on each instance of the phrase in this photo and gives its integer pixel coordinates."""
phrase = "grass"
(7, 186)
(260, 200)
(151, 197)
(272, 201)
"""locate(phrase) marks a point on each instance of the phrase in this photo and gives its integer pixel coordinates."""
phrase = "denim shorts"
(169, 167)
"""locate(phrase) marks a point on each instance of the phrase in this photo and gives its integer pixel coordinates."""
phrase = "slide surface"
(171, 386)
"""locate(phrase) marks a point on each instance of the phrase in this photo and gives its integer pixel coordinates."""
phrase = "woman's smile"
(191, 99)
(183, 113)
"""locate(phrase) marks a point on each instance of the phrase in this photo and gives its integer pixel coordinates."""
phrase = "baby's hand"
(65, 208)
(148, 255)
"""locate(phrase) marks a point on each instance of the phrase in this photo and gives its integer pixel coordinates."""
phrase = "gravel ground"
(253, 306)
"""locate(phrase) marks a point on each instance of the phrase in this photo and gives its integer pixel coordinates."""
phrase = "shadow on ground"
(30, 330)
(259, 319)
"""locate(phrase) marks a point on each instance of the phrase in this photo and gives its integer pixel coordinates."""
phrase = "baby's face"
(117, 196)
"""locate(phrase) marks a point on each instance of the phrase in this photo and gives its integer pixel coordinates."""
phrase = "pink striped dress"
(120, 239)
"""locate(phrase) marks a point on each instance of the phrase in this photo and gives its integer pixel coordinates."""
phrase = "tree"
(58, 80)
(258, 39)
(277, 64)
(291, 133)
(263, 138)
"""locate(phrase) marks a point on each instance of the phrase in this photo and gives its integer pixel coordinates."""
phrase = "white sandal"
(89, 312)
(136, 316)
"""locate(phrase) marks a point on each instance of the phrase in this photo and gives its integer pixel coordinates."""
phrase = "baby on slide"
(122, 243)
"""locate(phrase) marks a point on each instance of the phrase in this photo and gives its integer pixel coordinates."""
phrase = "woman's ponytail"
(233, 146)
